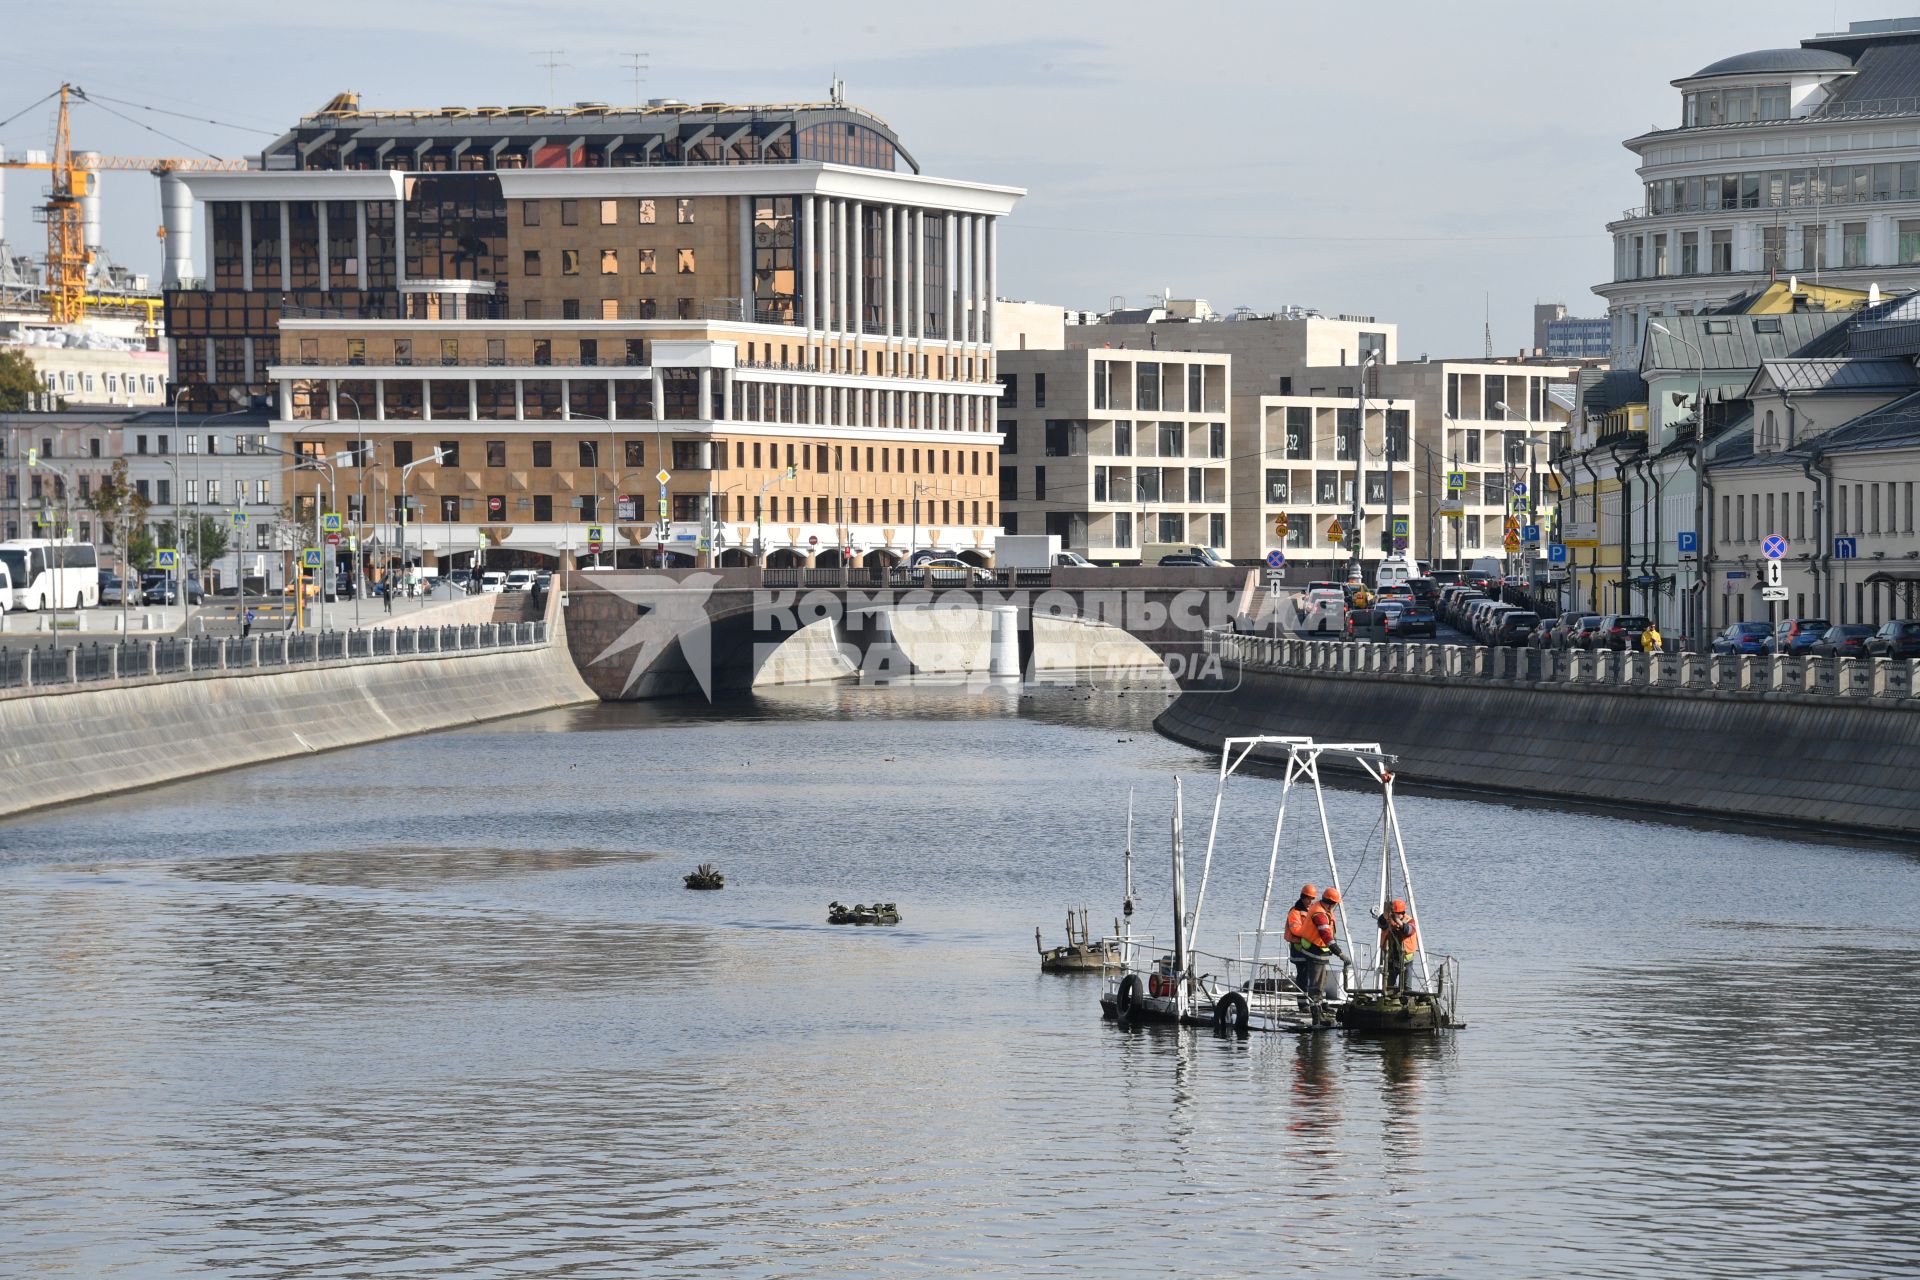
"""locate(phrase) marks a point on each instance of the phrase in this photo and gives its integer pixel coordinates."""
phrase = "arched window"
(1767, 435)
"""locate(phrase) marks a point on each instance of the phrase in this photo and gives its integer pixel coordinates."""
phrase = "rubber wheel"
(1127, 999)
(1230, 1012)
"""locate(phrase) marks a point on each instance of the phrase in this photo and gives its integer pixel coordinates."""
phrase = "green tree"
(203, 541)
(19, 381)
(122, 511)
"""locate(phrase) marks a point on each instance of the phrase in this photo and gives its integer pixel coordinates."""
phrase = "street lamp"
(1356, 539)
(1697, 614)
(406, 512)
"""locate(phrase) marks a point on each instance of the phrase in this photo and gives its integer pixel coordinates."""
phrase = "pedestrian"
(1650, 638)
(386, 594)
(246, 625)
(1399, 941)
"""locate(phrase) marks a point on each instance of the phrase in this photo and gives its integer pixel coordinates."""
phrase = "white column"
(246, 251)
(745, 204)
(918, 289)
(963, 280)
(286, 249)
(659, 396)
(825, 242)
(840, 266)
(326, 267)
(705, 393)
(379, 400)
(993, 273)
(726, 395)
(806, 271)
(360, 240)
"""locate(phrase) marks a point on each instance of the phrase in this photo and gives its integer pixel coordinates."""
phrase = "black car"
(1897, 639)
(1847, 640)
(1513, 629)
(1619, 632)
(1411, 620)
(164, 588)
(1425, 591)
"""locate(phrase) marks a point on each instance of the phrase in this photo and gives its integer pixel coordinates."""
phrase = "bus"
(52, 573)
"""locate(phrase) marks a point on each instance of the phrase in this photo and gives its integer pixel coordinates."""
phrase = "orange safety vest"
(1400, 927)
(1321, 928)
(1299, 930)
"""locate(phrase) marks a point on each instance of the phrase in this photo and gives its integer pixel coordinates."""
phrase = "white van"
(1398, 571)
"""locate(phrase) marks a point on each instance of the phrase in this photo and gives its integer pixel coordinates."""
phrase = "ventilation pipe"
(176, 221)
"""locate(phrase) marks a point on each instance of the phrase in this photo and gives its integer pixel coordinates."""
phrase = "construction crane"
(74, 178)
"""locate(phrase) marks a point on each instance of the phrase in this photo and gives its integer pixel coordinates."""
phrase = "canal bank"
(101, 738)
(1801, 760)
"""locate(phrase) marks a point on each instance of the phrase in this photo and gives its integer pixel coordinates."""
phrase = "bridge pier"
(866, 637)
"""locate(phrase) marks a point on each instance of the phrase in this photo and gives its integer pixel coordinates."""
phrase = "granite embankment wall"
(80, 742)
(1805, 743)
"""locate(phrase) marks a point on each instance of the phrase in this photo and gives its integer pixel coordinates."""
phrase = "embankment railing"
(52, 668)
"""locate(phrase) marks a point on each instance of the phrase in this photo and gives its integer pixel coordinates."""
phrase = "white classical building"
(1801, 161)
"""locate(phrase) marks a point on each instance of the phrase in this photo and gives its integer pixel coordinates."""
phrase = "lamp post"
(1696, 614)
(361, 447)
(1356, 538)
(406, 512)
(300, 462)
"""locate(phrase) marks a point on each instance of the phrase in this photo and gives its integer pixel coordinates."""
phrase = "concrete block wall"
(1737, 747)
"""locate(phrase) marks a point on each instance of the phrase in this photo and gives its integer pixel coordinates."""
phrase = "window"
(449, 351)
(569, 213)
(686, 262)
(609, 262)
(1010, 392)
(609, 308)
(570, 308)
(636, 452)
(1909, 240)
(529, 213)
(569, 262)
(1721, 244)
(589, 453)
(1853, 244)
(543, 508)
(646, 212)
(609, 212)
(683, 210)
(543, 453)
(530, 262)
(496, 453)
(1279, 486)
(402, 452)
(1813, 248)
(1172, 440)
(1123, 439)
(1039, 390)
(1299, 442)
(648, 263)
(260, 492)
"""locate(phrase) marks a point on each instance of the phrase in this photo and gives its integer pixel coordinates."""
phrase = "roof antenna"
(837, 90)
(636, 65)
(552, 62)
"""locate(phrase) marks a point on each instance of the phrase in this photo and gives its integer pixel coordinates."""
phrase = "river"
(441, 1007)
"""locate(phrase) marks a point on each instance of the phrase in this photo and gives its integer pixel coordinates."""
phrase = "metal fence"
(900, 576)
(55, 667)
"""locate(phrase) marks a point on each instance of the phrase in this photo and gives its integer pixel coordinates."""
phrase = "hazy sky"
(1400, 159)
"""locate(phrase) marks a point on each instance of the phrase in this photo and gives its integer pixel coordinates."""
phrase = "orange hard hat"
(1398, 904)
(1309, 891)
(1331, 895)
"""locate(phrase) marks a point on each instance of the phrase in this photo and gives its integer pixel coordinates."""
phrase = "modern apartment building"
(1800, 161)
(1300, 382)
(536, 324)
(1559, 336)
(1116, 450)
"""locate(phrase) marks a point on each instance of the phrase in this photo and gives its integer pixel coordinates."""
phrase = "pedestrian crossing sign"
(330, 522)
(311, 557)
(166, 558)
(239, 519)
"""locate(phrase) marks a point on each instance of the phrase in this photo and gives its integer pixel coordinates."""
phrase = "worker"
(1650, 638)
(1324, 943)
(1399, 941)
(1300, 941)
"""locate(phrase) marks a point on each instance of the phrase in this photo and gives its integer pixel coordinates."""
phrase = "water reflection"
(410, 1025)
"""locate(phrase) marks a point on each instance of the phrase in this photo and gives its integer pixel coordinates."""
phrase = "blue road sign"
(1774, 547)
(1520, 487)
(239, 519)
(1531, 533)
(311, 557)
(166, 558)
(1556, 553)
(1846, 548)
(1276, 560)
(1689, 540)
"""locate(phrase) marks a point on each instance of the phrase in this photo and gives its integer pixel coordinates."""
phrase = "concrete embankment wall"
(96, 740)
(1780, 759)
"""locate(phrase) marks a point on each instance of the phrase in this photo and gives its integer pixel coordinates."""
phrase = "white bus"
(52, 573)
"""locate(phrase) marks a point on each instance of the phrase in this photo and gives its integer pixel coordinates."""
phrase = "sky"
(1440, 166)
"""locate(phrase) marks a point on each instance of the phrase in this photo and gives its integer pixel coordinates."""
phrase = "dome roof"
(1769, 61)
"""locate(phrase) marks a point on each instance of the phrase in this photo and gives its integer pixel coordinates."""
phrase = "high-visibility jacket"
(1399, 930)
(1321, 927)
(1299, 931)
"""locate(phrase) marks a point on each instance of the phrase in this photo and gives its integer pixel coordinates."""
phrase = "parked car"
(1513, 628)
(113, 588)
(1743, 637)
(1897, 639)
(519, 580)
(1581, 634)
(1195, 557)
(462, 579)
(1565, 631)
(158, 587)
(948, 569)
(1413, 620)
(1847, 640)
(1620, 631)
(493, 583)
(1796, 635)
(1486, 623)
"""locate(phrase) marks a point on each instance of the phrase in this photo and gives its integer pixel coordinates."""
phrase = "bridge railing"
(1888, 681)
(54, 668)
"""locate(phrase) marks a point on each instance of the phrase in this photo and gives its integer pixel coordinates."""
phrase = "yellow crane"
(67, 255)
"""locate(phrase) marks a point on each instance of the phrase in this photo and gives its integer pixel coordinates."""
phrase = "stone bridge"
(676, 632)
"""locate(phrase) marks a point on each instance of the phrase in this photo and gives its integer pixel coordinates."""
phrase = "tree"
(206, 539)
(19, 382)
(122, 510)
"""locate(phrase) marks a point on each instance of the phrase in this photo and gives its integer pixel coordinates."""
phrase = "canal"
(441, 1007)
